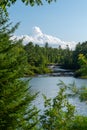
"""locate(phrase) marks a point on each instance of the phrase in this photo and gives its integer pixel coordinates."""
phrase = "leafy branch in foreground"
(58, 113)
(80, 92)
(8, 3)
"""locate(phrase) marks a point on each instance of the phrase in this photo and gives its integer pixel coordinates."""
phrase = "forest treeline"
(40, 57)
(17, 111)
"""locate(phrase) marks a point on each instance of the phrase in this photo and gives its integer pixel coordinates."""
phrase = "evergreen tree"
(16, 110)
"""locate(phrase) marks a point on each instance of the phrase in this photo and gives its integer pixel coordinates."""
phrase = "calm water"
(48, 86)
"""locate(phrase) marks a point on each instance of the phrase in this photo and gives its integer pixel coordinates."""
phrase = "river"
(48, 85)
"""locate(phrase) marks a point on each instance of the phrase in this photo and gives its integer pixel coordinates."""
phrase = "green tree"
(16, 110)
(67, 58)
(83, 66)
(5, 3)
(58, 113)
(30, 53)
(81, 48)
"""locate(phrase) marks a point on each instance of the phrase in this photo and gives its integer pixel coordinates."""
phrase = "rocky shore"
(58, 71)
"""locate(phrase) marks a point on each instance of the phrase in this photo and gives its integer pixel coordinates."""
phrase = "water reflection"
(48, 86)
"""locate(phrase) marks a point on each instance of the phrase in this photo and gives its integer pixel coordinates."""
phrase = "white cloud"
(38, 37)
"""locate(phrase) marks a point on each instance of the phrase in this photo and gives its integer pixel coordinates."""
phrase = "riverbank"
(52, 70)
(56, 70)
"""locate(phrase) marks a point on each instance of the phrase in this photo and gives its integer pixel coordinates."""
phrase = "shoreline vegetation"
(16, 109)
(40, 58)
(52, 70)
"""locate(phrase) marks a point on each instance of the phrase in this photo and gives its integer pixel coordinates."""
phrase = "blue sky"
(63, 19)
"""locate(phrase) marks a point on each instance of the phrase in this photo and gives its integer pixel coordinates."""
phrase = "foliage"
(58, 113)
(82, 71)
(67, 58)
(5, 3)
(16, 110)
(80, 92)
(81, 48)
(40, 57)
(83, 94)
(36, 58)
(73, 90)
(80, 123)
